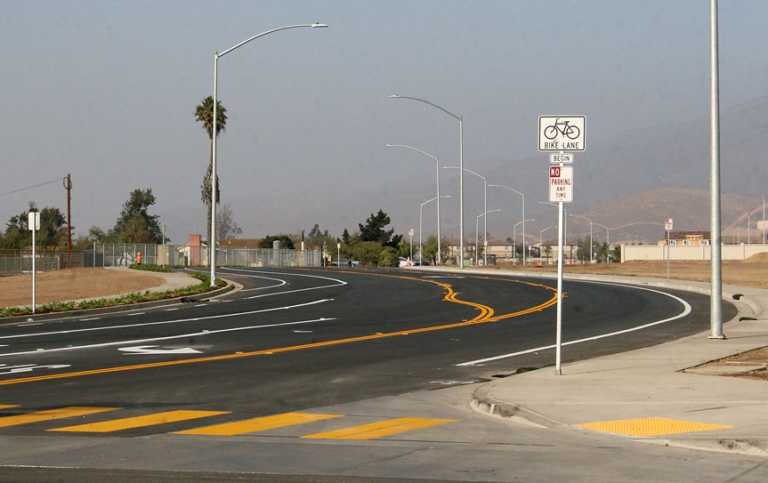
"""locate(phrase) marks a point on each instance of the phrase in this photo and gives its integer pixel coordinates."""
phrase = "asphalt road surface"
(299, 362)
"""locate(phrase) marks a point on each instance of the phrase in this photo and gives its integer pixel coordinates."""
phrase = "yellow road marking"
(485, 315)
(643, 427)
(380, 429)
(254, 425)
(8, 406)
(139, 421)
(50, 415)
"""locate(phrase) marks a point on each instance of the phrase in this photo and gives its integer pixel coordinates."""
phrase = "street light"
(541, 238)
(477, 229)
(514, 236)
(460, 119)
(716, 291)
(421, 210)
(509, 188)
(216, 57)
(338, 254)
(485, 205)
(437, 184)
(607, 240)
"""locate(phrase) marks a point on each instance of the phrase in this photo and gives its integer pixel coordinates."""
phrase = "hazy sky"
(106, 90)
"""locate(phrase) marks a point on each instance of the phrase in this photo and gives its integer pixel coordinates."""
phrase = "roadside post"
(410, 235)
(33, 223)
(338, 254)
(558, 134)
(668, 225)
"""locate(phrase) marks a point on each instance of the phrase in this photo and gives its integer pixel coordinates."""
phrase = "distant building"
(240, 243)
(687, 239)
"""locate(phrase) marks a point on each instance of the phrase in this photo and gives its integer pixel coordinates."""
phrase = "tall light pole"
(509, 188)
(460, 119)
(485, 206)
(607, 240)
(716, 296)
(541, 238)
(421, 211)
(514, 236)
(216, 57)
(437, 190)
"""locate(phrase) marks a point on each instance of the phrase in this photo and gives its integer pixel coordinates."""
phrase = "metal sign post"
(557, 135)
(560, 192)
(668, 225)
(33, 223)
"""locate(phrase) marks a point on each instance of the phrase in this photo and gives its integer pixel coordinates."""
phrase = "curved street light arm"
(424, 101)
(262, 34)
(405, 146)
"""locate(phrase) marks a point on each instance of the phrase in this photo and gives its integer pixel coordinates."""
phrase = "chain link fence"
(181, 256)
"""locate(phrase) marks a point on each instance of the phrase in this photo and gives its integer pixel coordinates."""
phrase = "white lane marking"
(169, 337)
(302, 331)
(154, 349)
(280, 282)
(163, 322)
(686, 310)
(137, 313)
(90, 318)
(201, 305)
(21, 368)
(170, 310)
(338, 283)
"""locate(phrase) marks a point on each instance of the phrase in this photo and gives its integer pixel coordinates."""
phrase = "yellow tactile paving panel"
(254, 425)
(645, 427)
(379, 429)
(50, 415)
(122, 424)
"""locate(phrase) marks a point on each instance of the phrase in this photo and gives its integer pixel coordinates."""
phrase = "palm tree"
(204, 115)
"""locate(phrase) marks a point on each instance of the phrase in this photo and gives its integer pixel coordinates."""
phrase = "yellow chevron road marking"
(50, 415)
(139, 421)
(380, 429)
(254, 425)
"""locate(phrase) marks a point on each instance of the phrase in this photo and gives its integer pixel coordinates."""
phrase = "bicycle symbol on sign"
(563, 128)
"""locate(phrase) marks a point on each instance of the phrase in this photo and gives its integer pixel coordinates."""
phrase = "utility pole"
(68, 187)
(716, 290)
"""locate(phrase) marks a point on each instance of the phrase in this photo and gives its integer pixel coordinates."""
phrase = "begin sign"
(561, 184)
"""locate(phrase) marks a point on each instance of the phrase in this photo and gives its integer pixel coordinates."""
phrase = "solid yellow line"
(380, 429)
(8, 406)
(254, 425)
(485, 316)
(139, 421)
(50, 415)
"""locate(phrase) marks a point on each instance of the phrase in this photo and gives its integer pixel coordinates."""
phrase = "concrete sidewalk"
(646, 394)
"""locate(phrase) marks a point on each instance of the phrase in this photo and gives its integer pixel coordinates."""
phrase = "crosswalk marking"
(8, 406)
(50, 415)
(254, 425)
(139, 421)
(379, 429)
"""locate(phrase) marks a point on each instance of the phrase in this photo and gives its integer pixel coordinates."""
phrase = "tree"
(226, 226)
(374, 230)
(430, 249)
(285, 241)
(366, 252)
(204, 115)
(51, 233)
(388, 257)
(135, 224)
(345, 237)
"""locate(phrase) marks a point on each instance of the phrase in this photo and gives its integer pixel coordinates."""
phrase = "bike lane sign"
(562, 133)
(561, 184)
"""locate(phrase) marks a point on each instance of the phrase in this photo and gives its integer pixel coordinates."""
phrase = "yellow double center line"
(485, 315)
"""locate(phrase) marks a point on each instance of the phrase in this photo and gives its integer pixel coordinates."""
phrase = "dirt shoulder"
(746, 273)
(73, 284)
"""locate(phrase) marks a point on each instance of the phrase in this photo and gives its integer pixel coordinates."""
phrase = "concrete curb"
(484, 403)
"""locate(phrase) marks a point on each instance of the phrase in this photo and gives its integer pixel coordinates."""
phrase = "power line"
(25, 188)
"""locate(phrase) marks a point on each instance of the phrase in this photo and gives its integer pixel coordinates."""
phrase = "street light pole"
(421, 211)
(437, 191)
(522, 195)
(460, 119)
(716, 297)
(514, 235)
(216, 57)
(477, 229)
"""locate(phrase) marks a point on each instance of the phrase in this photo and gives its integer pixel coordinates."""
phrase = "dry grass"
(73, 284)
(753, 272)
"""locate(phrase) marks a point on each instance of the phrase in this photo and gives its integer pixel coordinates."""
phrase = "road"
(298, 362)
